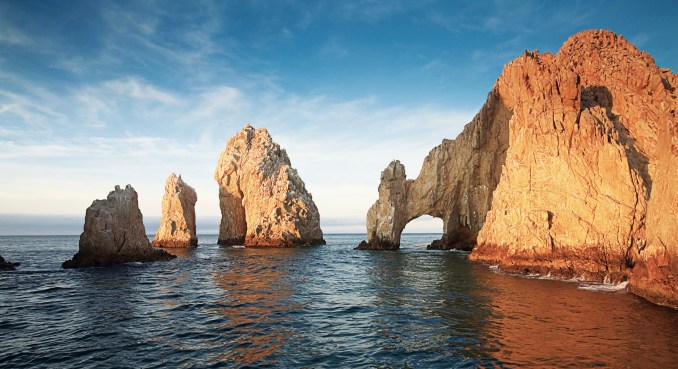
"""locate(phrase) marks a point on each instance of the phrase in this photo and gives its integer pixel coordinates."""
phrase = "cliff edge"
(568, 169)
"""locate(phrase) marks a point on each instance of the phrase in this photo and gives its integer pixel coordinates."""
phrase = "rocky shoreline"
(568, 169)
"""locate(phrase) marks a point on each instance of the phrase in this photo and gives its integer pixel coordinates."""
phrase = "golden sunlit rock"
(568, 169)
(177, 226)
(263, 200)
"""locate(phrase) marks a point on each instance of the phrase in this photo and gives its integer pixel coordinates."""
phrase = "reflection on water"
(426, 308)
(545, 323)
(319, 307)
(256, 302)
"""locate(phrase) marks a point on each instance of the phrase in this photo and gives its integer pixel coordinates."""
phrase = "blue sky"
(99, 93)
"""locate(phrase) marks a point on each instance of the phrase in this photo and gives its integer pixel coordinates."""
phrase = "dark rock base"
(6, 265)
(442, 244)
(590, 264)
(378, 245)
(231, 241)
(175, 244)
(259, 242)
(88, 261)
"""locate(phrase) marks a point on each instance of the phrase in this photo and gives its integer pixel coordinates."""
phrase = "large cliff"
(568, 169)
(263, 200)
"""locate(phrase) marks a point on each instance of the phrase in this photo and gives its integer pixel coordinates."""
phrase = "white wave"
(603, 287)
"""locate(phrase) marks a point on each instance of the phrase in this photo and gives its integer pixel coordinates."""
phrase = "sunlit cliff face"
(263, 200)
(568, 169)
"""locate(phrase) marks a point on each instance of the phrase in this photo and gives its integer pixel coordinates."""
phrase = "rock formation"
(568, 169)
(114, 233)
(6, 265)
(455, 184)
(263, 200)
(177, 225)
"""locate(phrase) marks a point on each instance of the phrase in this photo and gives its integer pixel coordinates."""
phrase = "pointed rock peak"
(395, 170)
(177, 225)
(590, 40)
(263, 201)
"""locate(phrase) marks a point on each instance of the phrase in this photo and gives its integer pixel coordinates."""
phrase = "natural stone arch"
(455, 184)
(425, 224)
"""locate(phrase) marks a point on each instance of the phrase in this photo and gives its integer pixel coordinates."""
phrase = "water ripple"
(323, 307)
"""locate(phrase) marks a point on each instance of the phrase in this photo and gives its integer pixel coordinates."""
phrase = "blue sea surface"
(319, 307)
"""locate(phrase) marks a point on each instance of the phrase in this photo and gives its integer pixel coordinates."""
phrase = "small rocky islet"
(177, 224)
(567, 170)
(263, 200)
(114, 233)
(6, 265)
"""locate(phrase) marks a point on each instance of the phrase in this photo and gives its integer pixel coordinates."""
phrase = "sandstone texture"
(263, 200)
(6, 265)
(114, 233)
(569, 168)
(177, 225)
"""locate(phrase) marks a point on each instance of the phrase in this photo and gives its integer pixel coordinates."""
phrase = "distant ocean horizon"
(66, 225)
(323, 307)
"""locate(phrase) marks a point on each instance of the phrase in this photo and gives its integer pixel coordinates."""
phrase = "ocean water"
(320, 307)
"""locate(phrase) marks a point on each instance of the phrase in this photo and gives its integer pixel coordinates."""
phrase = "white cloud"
(134, 88)
(339, 147)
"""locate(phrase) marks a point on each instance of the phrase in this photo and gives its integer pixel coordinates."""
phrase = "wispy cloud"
(333, 48)
(324, 136)
(12, 36)
(136, 89)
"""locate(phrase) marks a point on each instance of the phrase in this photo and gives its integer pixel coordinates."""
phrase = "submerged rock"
(177, 226)
(569, 168)
(263, 200)
(6, 265)
(114, 233)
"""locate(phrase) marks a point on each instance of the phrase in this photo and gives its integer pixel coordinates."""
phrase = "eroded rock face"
(114, 233)
(456, 184)
(263, 200)
(177, 226)
(583, 181)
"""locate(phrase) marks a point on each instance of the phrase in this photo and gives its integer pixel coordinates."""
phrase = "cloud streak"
(339, 147)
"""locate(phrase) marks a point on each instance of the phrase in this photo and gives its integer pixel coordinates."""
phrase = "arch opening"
(421, 232)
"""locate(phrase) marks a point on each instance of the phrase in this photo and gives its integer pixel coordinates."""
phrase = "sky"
(99, 93)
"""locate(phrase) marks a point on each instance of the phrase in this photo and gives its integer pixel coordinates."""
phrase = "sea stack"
(114, 233)
(569, 168)
(6, 265)
(263, 200)
(177, 226)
